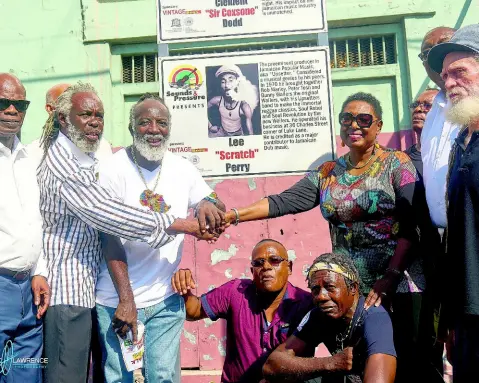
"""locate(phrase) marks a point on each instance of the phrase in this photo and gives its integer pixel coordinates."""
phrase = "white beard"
(151, 153)
(80, 140)
(465, 111)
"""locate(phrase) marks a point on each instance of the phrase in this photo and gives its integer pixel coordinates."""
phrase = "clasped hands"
(211, 221)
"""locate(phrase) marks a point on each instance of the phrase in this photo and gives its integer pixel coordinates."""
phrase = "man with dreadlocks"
(360, 340)
(75, 208)
(104, 149)
(148, 176)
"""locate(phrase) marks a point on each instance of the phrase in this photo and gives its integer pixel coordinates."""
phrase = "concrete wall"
(49, 41)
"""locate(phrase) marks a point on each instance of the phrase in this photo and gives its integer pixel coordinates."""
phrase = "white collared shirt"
(74, 208)
(20, 220)
(437, 138)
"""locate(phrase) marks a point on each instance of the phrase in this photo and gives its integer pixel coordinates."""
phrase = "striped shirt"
(74, 208)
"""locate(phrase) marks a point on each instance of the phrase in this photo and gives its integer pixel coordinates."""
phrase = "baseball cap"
(234, 69)
(465, 39)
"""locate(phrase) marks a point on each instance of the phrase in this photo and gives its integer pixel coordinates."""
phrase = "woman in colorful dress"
(366, 196)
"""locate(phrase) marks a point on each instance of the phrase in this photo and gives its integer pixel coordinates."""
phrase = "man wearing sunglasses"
(419, 110)
(260, 313)
(23, 287)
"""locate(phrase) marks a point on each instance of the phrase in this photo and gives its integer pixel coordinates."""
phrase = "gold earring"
(343, 144)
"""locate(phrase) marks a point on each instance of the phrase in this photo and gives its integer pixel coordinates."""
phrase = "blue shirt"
(371, 333)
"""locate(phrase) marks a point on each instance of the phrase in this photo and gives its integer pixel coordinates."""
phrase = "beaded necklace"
(148, 197)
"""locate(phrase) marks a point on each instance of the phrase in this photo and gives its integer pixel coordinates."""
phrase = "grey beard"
(151, 153)
(80, 140)
(465, 111)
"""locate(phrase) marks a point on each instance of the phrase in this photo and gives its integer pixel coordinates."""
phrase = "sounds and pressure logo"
(10, 360)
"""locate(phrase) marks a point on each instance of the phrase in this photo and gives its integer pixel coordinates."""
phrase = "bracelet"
(237, 216)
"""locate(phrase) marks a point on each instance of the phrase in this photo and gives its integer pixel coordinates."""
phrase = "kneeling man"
(348, 330)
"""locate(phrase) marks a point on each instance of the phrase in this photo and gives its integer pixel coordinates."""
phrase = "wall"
(50, 41)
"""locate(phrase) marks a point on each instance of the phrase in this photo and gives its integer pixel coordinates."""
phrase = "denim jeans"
(163, 326)
(19, 325)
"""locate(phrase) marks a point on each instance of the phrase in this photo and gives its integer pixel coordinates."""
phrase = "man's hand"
(195, 231)
(125, 318)
(210, 217)
(182, 281)
(342, 361)
(41, 294)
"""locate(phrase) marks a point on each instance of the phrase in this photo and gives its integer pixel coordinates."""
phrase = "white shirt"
(149, 269)
(74, 208)
(20, 220)
(437, 138)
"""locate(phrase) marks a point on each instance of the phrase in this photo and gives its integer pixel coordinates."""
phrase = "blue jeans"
(163, 325)
(19, 325)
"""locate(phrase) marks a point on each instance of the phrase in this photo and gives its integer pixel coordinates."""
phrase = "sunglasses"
(423, 55)
(425, 105)
(274, 261)
(363, 120)
(20, 105)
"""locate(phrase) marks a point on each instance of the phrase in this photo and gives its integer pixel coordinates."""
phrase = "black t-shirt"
(371, 333)
(462, 257)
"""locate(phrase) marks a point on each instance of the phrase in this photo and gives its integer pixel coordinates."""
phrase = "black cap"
(465, 39)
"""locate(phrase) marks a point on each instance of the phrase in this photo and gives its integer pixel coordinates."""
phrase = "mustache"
(158, 137)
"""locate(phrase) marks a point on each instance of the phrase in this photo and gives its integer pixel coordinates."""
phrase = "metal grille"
(140, 68)
(352, 53)
(250, 47)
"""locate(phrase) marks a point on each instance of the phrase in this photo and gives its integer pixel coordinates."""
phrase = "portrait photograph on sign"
(233, 100)
(183, 20)
(251, 113)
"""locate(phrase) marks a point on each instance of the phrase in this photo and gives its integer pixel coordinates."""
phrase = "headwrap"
(318, 266)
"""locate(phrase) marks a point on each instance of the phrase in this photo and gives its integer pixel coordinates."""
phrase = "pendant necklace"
(148, 197)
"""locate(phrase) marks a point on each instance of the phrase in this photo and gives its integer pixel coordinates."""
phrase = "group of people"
(91, 243)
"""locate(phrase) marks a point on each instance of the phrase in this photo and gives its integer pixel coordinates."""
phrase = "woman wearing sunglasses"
(366, 196)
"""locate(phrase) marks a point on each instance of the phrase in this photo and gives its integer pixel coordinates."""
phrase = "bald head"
(11, 84)
(440, 34)
(13, 112)
(51, 97)
(432, 38)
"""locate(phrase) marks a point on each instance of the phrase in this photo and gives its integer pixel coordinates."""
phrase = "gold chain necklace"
(148, 197)
(348, 160)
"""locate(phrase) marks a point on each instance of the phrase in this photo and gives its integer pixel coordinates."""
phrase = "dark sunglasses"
(424, 105)
(364, 120)
(423, 55)
(20, 105)
(274, 261)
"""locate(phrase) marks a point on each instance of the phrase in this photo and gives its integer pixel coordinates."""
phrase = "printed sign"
(251, 113)
(183, 20)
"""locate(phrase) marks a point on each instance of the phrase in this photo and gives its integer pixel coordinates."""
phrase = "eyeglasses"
(425, 105)
(19, 105)
(274, 261)
(364, 120)
(423, 55)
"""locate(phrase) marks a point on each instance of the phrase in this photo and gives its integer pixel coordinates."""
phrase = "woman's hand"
(383, 286)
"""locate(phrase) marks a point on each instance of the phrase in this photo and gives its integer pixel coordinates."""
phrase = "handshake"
(210, 222)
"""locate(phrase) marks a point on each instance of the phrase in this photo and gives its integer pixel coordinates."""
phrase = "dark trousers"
(96, 370)
(466, 349)
(68, 331)
(20, 332)
(419, 357)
